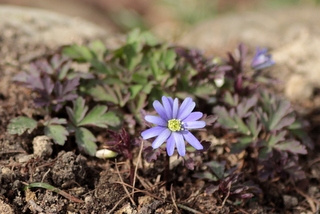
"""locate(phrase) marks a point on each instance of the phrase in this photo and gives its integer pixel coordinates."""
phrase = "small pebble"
(42, 146)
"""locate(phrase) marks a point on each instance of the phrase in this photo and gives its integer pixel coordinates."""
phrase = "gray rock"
(298, 88)
(42, 146)
(26, 33)
(264, 28)
(292, 35)
(290, 201)
(41, 26)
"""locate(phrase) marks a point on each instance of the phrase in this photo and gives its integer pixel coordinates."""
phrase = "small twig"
(45, 174)
(136, 169)
(313, 162)
(139, 190)
(184, 207)
(243, 211)
(12, 152)
(310, 200)
(227, 196)
(124, 186)
(173, 199)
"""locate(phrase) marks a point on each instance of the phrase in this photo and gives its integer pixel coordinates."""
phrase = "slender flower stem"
(167, 170)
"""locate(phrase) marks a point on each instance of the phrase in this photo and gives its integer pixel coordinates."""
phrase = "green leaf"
(242, 144)
(241, 125)
(282, 110)
(143, 37)
(135, 89)
(224, 119)
(217, 168)
(169, 59)
(204, 90)
(78, 112)
(86, 140)
(21, 124)
(98, 48)
(100, 93)
(98, 117)
(292, 146)
(57, 132)
(253, 126)
(132, 55)
(275, 138)
(78, 52)
(205, 175)
(55, 121)
(264, 153)
(148, 87)
(100, 67)
(231, 100)
(134, 35)
(244, 106)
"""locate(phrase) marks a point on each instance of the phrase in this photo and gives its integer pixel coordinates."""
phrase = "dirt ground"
(91, 185)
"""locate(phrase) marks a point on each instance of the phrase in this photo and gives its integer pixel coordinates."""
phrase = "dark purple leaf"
(151, 154)
(189, 163)
(206, 145)
(71, 85)
(245, 105)
(246, 195)
(212, 189)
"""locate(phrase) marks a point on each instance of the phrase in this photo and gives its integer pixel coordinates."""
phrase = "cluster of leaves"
(142, 70)
(261, 122)
(56, 87)
(127, 79)
(227, 183)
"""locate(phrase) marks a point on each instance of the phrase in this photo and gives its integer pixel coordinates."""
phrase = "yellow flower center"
(175, 125)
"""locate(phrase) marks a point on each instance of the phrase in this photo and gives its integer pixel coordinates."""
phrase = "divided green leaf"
(86, 140)
(21, 124)
(57, 132)
(98, 117)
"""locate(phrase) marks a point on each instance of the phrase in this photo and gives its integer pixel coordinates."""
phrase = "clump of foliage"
(261, 122)
(108, 99)
(56, 88)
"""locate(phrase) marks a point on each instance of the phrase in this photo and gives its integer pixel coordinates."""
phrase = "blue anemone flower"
(262, 59)
(173, 125)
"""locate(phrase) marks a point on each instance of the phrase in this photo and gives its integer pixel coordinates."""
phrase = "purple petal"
(160, 110)
(186, 108)
(193, 116)
(152, 132)
(156, 120)
(186, 102)
(175, 108)
(170, 145)
(192, 140)
(170, 101)
(181, 147)
(167, 106)
(163, 136)
(195, 124)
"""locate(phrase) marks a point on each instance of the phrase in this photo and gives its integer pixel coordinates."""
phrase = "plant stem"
(167, 170)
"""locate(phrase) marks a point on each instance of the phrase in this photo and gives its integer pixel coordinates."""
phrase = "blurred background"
(157, 15)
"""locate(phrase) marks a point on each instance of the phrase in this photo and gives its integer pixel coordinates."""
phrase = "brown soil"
(90, 185)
